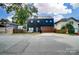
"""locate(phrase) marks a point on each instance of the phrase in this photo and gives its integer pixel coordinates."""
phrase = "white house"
(64, 21)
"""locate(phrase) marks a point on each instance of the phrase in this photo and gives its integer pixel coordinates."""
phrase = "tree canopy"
(22, 11)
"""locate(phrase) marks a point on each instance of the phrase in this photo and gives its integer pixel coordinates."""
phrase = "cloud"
(75, 5)
(53, 8)
(56, 10)
(58, 17)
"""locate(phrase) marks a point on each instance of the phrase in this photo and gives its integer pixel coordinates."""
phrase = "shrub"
(63, 29)
(70, 28)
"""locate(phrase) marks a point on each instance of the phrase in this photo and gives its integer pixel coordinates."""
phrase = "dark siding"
(42, 22)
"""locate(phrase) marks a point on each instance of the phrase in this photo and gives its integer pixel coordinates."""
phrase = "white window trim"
(46, 21)
(31, 21)
(38, 21)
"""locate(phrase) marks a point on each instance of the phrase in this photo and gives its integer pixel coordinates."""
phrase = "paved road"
(39, 44)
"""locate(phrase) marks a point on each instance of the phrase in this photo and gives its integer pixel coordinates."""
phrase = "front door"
(47, 29)
(31, 29)
(37, 29)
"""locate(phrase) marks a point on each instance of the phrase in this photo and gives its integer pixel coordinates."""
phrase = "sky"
(55, 10)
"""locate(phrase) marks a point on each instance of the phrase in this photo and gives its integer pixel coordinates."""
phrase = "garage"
(47, 29)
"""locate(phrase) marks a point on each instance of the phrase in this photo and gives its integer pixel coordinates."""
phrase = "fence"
(2, 30)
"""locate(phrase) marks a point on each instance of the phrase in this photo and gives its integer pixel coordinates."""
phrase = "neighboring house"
(6, 26)
(64, 21)
(40, 25)
(10, 27)
(14, 25)
(3, 23)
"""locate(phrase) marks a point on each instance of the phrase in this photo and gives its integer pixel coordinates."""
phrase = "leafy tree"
(63, 29)
(22, 11)
(68, 28)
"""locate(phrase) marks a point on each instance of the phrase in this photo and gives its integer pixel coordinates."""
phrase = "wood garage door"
(47, 29)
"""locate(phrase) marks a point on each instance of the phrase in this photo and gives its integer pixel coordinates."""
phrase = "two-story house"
(43, 24)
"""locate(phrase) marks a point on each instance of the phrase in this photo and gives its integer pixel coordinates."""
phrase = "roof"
(40, 17)
(66, 19)
(4, 20)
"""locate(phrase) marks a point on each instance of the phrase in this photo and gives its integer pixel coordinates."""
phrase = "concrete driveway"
(39, 44)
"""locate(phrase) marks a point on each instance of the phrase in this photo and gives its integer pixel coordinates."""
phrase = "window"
(38, 21)
(31, 21)
(50, 21)
(31, 29)
(46, 21)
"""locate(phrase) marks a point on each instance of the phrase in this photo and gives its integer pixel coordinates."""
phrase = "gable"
(71, 20)
(67, 20)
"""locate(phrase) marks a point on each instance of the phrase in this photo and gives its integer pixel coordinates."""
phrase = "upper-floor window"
(50, 21)
(38, 21)
(46, 21)
(31, 21)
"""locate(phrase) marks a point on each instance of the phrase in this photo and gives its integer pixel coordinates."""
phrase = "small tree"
(63, 29)
(68, 28)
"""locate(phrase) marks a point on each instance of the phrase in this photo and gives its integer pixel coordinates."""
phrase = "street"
(39, 44)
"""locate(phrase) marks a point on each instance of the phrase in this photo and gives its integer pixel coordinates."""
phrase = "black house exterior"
(40, 25)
